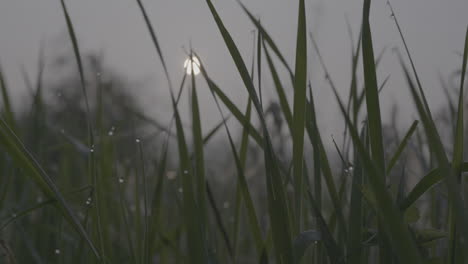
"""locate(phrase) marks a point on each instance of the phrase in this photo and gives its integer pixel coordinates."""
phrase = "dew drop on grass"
(110, 133)
(226, 205)
(57, 251)
(121, 180)
(137, 140)
(185, 171)
(171, 175)
(88, 201)
(13, 215)
(181, 190)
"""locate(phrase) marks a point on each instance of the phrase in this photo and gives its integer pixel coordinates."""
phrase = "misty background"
(115, 30)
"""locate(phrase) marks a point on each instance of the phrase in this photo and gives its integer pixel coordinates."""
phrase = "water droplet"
(13, 215)
(392, 16)
(39, 199)
(57, 251)
(181, 190)
(185, 171)
(62, 131)
(350, 168)
(315, 242)
(110, 133)
(137, 140)
(171, 175)
(121, 180)
(226, 205)
(98, 74)
(88, 201)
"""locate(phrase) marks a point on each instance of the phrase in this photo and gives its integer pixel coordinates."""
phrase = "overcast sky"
(434, 30)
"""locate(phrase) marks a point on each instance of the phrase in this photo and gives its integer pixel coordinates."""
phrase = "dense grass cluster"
(93, 197)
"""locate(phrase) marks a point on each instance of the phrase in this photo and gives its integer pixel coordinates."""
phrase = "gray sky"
(434, 30)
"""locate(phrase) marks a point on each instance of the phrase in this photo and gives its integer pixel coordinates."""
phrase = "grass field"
(94, 194)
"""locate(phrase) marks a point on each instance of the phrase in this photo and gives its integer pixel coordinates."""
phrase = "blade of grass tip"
(76, 50)
(154, 39)
(259, 66)
(455, 253)
(252, 216)
(372, 96)
(401, 146)
(300, 88)
(252, 67)
(91, 162)
(199, 156)
(25, 160)
(393, 15)
(267, 38)
(276, 193)
(437, 148)
(9, 117)
(400, 238)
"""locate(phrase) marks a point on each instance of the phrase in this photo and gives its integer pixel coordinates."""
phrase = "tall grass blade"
(402, 146)
(277, 201)
(300, 88)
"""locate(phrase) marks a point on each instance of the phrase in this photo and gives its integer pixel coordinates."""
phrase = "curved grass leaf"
(277, 200)
(402, 146)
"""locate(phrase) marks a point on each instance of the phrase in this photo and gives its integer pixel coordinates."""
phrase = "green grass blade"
(422, 187)
(437, 148)
(25, 160)
(219, 221)
(300, 88)
(235, 111)
(154, 39)
(389, 215)
(372, 93)
(240, 163)
(455, 255)
(277, 201)
(267, 38)
(9, 117)
(199, 157)
(401, 146)
(334, 252)
(195, 243)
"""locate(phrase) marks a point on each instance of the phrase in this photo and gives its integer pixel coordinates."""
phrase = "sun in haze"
(192, 62)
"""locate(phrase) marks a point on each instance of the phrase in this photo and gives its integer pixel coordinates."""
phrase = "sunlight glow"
(195, 63)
